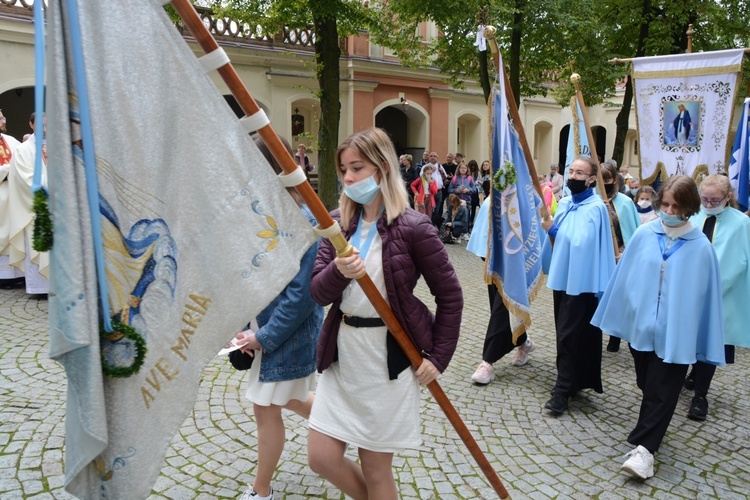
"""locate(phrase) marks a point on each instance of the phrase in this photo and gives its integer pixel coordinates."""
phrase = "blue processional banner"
(197, 234)
(514, 253)
(739, 163)
(578, 140)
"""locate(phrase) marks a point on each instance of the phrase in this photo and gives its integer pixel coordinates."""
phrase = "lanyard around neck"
(667, 253)
(357, 236)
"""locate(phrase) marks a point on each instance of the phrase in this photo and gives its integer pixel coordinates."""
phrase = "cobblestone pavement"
(576, 455)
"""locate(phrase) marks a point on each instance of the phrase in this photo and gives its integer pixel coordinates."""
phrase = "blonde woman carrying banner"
(367, 396)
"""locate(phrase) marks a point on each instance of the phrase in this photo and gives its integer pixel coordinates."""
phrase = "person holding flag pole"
(580, 253)
(513, 276)
(332, 232)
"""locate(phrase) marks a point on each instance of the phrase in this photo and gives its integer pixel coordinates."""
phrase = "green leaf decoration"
(121, 330)
(42, 239)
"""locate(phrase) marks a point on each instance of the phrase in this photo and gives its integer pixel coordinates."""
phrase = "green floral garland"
(122, 330)
(505, 177)
(42, 240)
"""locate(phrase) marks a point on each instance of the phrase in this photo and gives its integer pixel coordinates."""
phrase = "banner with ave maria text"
(196, 232)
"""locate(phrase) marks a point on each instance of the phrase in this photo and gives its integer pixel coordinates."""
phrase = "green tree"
(331, 20)
(659, 27)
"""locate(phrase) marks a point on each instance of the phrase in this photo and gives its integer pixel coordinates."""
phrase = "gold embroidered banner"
(684, 111)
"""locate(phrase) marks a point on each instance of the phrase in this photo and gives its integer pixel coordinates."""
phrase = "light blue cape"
(628, 216)
(583, 256)
(686, 323)
(731, 243)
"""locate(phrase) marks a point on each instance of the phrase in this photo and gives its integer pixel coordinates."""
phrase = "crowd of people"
(19, 261)
(430, 183)
(615, 264)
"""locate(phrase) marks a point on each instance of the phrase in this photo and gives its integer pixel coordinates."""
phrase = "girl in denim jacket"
(283, 373)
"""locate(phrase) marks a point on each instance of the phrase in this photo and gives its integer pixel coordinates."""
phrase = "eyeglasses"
(712, 203)
(578, 174)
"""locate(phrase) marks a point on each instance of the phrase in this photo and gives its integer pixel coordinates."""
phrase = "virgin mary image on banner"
(681, 123)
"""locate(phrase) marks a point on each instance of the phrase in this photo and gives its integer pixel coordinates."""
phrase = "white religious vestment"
(8, 145)
(22, 255)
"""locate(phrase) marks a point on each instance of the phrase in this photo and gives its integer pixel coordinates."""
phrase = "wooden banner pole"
(206, 41)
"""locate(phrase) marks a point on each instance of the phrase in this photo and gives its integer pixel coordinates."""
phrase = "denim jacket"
(290, 325)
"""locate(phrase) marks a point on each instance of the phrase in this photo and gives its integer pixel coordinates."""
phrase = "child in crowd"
(644, 198)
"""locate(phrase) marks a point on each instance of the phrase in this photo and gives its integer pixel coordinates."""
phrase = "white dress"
(276, 393)
(355, 402)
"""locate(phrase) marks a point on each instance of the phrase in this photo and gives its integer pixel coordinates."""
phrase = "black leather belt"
(358, 322)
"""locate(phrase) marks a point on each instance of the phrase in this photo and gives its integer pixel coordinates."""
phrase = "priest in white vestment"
(8, 145)
(34, 264)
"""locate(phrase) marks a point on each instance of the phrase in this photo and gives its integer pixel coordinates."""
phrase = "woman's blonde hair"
(374, 147)
(721, 181)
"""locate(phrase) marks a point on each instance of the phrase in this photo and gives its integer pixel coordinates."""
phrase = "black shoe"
(614, 344)
(698, 409)
(690, 381)
(557, 404)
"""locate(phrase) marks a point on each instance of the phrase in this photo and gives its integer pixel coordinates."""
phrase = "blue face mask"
(671, 220)
(363, 191)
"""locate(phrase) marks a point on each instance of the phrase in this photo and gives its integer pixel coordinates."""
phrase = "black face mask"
(576, 186)
(610, 189)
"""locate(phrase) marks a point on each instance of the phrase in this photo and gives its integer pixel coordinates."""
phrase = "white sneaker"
(484, 374)
(250, 494)
(640, 463)
(522, 354)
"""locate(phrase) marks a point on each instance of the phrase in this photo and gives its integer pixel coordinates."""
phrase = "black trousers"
(499, 338)
(437, 211)
(579, 343)
(660, 384)
(703, 373)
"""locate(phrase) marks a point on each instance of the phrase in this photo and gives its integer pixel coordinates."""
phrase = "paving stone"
(576, 455)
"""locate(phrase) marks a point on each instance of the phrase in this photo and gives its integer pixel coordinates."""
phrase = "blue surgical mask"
(671, 220)
(363, 191)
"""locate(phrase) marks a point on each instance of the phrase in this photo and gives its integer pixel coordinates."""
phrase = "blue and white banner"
(739, 163)
(196, 233)
(515, 243)
(684, 111)
(578, 140)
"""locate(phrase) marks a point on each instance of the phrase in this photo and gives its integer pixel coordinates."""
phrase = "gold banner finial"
(489, 34)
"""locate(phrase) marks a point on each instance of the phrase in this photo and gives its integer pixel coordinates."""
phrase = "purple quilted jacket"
(411, 248)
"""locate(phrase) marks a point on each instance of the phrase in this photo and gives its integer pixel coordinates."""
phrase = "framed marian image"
(681, 124)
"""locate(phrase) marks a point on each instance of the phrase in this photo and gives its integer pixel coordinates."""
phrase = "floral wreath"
(121, 330)
(505, 177)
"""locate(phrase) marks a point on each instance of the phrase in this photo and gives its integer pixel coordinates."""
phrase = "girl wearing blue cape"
(624, 217)
(582, 260)
(728, 229)
(664, 298)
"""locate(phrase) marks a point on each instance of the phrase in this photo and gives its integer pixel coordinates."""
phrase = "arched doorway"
(600, 140)
(562, 151)
(406, 125)
(395, 122)
(630, 155)
(542, 146)
(17, 105)
(469, 137)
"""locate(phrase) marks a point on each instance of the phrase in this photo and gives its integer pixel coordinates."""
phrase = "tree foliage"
(542, 42)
